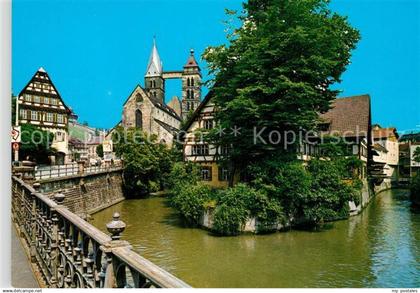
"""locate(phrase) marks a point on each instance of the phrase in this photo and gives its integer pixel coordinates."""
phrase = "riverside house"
(349, 118)
(200, 152)
(386, 151)
(408, 167)
(40, 104)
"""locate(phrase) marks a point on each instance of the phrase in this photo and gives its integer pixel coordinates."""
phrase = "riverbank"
(252, 225)
(377, 248)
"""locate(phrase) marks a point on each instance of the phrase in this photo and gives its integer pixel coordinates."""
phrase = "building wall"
(139, 100)
(206, 160)
(214, 182)
(393, 151)
(390, 158)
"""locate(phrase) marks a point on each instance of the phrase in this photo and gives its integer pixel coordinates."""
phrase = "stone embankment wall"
(86, 194)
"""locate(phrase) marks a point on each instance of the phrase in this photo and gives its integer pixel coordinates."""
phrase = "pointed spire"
(154, 68)
(191, 62)
(41, 69)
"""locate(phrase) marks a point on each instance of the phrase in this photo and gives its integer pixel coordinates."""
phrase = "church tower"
(191, 86)
(153, 80)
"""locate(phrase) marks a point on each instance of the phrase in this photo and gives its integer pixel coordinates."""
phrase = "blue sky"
(97, 51)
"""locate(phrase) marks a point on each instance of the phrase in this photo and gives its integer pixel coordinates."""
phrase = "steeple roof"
(154, 68)
(191, 62)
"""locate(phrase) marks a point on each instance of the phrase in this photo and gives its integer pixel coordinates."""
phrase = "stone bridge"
(68, 252)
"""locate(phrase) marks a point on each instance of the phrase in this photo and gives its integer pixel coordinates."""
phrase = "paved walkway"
(22, 275)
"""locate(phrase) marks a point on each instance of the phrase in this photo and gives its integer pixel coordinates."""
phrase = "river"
(378, 248)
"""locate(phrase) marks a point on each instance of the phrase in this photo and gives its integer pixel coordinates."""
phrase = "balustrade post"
(81, 166)
(33, 229)
(15, 187)
(55, 238)
(22, 212)
(115, 227)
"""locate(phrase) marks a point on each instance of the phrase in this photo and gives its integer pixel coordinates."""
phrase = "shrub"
(232, 211)
(36, 144)
(147, 163)
(190, 200)
(182, 174)
(330, 193)
(237, 204)
(311, 194)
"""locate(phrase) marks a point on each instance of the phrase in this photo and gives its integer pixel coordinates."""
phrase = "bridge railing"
(42, 173)
(71, 253)
(56, 171)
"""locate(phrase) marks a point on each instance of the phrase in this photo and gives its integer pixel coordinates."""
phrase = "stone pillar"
(22, 213)
(59, 199)
(32, 245)
(81, 165)
(115, 227)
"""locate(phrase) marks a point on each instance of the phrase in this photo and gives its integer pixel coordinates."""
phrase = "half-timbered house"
(40, 104)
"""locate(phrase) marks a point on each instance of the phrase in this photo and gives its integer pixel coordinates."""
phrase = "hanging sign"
(16, 134)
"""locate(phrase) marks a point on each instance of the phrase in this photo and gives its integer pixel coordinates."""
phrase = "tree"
(147, 164)
(36, 143)
(276, 73)
(100, 150)
(416, 155)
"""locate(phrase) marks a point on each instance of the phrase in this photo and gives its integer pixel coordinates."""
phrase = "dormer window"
(324, 126)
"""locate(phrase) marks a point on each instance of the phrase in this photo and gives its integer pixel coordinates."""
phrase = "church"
(145, 107)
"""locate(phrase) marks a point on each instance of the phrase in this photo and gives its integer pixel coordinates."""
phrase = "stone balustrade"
(71, 253)
(69, 170)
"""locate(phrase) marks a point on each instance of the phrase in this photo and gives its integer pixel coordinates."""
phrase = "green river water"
(378, 248)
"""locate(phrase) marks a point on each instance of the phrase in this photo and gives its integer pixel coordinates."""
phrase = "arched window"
(192, 106)
(151, 83)
(188, 81)
(139, 119)
(188, 106)
(154, 83)
(191, 94)
(192, 81)
(154, 94)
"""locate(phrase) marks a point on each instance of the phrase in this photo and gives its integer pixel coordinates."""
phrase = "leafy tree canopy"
(100, 150)
(36, 144)
(276, 70)
(416, 155)
(147, 163)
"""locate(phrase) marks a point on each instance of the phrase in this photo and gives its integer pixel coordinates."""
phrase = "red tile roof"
(384, 132)
(348, 117)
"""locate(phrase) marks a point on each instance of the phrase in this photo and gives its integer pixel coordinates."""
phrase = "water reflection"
(378, 248)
